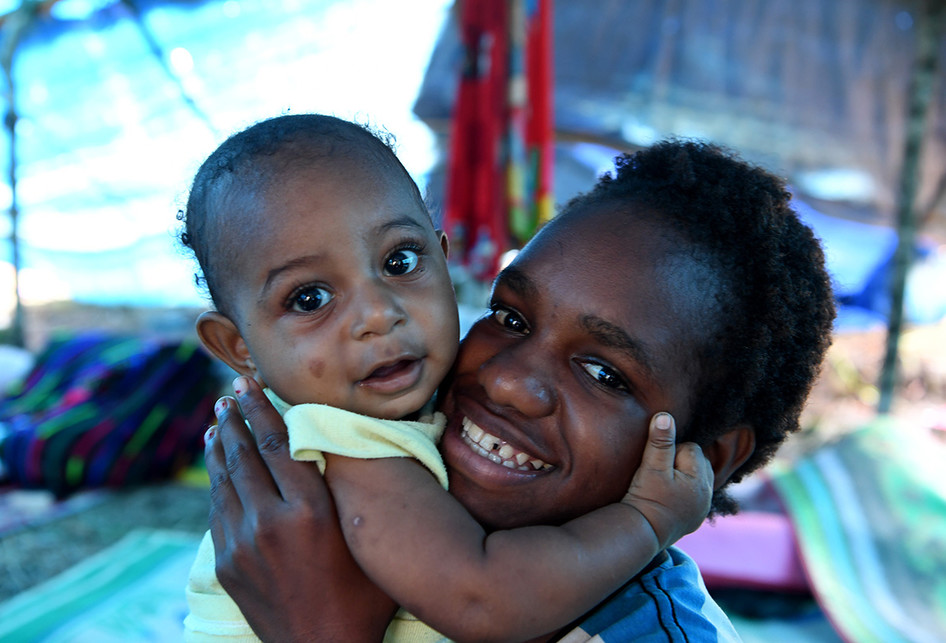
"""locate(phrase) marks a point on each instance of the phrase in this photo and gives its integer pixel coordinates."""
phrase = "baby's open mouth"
(391, 369)
(394, 378)
(494, 449)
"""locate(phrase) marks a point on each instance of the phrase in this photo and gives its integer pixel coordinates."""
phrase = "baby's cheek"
(317, 367)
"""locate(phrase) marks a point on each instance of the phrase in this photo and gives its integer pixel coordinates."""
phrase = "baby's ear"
(222, 338)
(444, 243)
(728, 452)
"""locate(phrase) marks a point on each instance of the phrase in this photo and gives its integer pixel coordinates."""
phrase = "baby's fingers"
(692, 461)
(660, 450)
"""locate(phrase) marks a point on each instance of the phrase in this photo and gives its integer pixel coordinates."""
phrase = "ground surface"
(31, 555)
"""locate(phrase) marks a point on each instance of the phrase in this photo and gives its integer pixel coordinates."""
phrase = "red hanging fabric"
(540, 131)
(530, 135)
(499, 172)
(475, 214)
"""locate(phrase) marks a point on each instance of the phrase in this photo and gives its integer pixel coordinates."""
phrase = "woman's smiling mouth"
(495, 450)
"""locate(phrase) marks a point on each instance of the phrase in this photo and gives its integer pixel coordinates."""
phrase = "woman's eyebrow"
(615, 337)
(517, 281)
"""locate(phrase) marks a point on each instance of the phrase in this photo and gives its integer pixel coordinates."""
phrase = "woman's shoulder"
(668, 602)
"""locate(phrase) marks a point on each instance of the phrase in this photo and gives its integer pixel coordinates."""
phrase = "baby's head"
(329, 281)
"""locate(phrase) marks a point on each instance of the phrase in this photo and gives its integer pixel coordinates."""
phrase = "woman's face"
(591, 330)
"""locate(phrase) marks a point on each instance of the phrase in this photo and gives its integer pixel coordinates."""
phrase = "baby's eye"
(510, 320)
(309, 299)
(605, 376)
(400, 262)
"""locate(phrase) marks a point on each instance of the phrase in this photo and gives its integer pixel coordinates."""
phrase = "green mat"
(132, 591)
(869, 514)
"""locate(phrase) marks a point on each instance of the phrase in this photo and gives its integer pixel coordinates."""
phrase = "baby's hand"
(673, 487)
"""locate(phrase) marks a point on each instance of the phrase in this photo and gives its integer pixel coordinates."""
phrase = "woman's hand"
(280, 552)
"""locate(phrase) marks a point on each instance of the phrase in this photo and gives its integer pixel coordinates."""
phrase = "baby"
(331, 289)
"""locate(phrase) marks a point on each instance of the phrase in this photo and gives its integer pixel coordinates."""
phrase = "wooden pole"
(9, 122)
(930, 28)
(14, 27)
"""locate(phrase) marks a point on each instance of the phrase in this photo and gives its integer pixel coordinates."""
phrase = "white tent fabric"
(110, 131)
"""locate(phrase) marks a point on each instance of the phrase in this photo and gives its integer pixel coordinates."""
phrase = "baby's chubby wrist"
(638, 523)
(667, 522)
(661, 521)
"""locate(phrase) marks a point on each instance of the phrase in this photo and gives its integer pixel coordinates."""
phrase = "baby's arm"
(424, 550)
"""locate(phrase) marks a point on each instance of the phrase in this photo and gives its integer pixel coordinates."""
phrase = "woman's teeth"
(494, 449)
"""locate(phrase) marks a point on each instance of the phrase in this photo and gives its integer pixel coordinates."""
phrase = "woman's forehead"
(611, 295)
(603, 234)
(626, 269)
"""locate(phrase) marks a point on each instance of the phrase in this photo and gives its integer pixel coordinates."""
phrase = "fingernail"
(663, 421)
(209, 434)
(220, 406)
(240, 385)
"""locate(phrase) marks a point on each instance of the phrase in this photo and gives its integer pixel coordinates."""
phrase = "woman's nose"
(376, 311)
(517, 380)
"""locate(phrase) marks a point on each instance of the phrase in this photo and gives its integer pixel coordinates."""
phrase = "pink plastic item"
(755, 550)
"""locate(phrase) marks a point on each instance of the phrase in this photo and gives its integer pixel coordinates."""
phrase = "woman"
(684, 283)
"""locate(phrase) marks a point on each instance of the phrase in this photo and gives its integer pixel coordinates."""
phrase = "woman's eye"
(309, 299)
(510, 319)
(605, 376)
(401, 262)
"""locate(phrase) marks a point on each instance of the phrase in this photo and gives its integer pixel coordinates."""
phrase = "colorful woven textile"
(499, 182)
(106, 411)
(870, 518)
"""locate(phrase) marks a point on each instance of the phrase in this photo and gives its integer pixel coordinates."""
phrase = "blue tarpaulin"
(860, 259)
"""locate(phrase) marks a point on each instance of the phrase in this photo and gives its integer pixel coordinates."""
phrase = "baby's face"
(341, 290)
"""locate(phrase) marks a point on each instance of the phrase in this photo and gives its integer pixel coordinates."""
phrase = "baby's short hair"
(260, 153)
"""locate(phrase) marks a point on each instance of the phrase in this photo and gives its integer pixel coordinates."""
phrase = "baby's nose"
(377, 312)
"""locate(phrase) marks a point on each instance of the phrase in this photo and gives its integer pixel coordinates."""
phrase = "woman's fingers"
(290, 479)
(227, 514)
(272, 518)
(243, 467)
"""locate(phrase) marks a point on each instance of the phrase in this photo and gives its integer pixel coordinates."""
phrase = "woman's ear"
(222, 338)
(728, 452)
(444, 243)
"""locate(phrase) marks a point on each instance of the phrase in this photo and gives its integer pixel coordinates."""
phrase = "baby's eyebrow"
(289, 265)
(399, 222)
(614, 336)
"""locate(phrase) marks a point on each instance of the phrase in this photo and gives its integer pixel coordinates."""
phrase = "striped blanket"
(99, 410)
(870, 517)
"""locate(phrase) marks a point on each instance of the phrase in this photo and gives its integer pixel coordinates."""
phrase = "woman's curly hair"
(776, 306)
